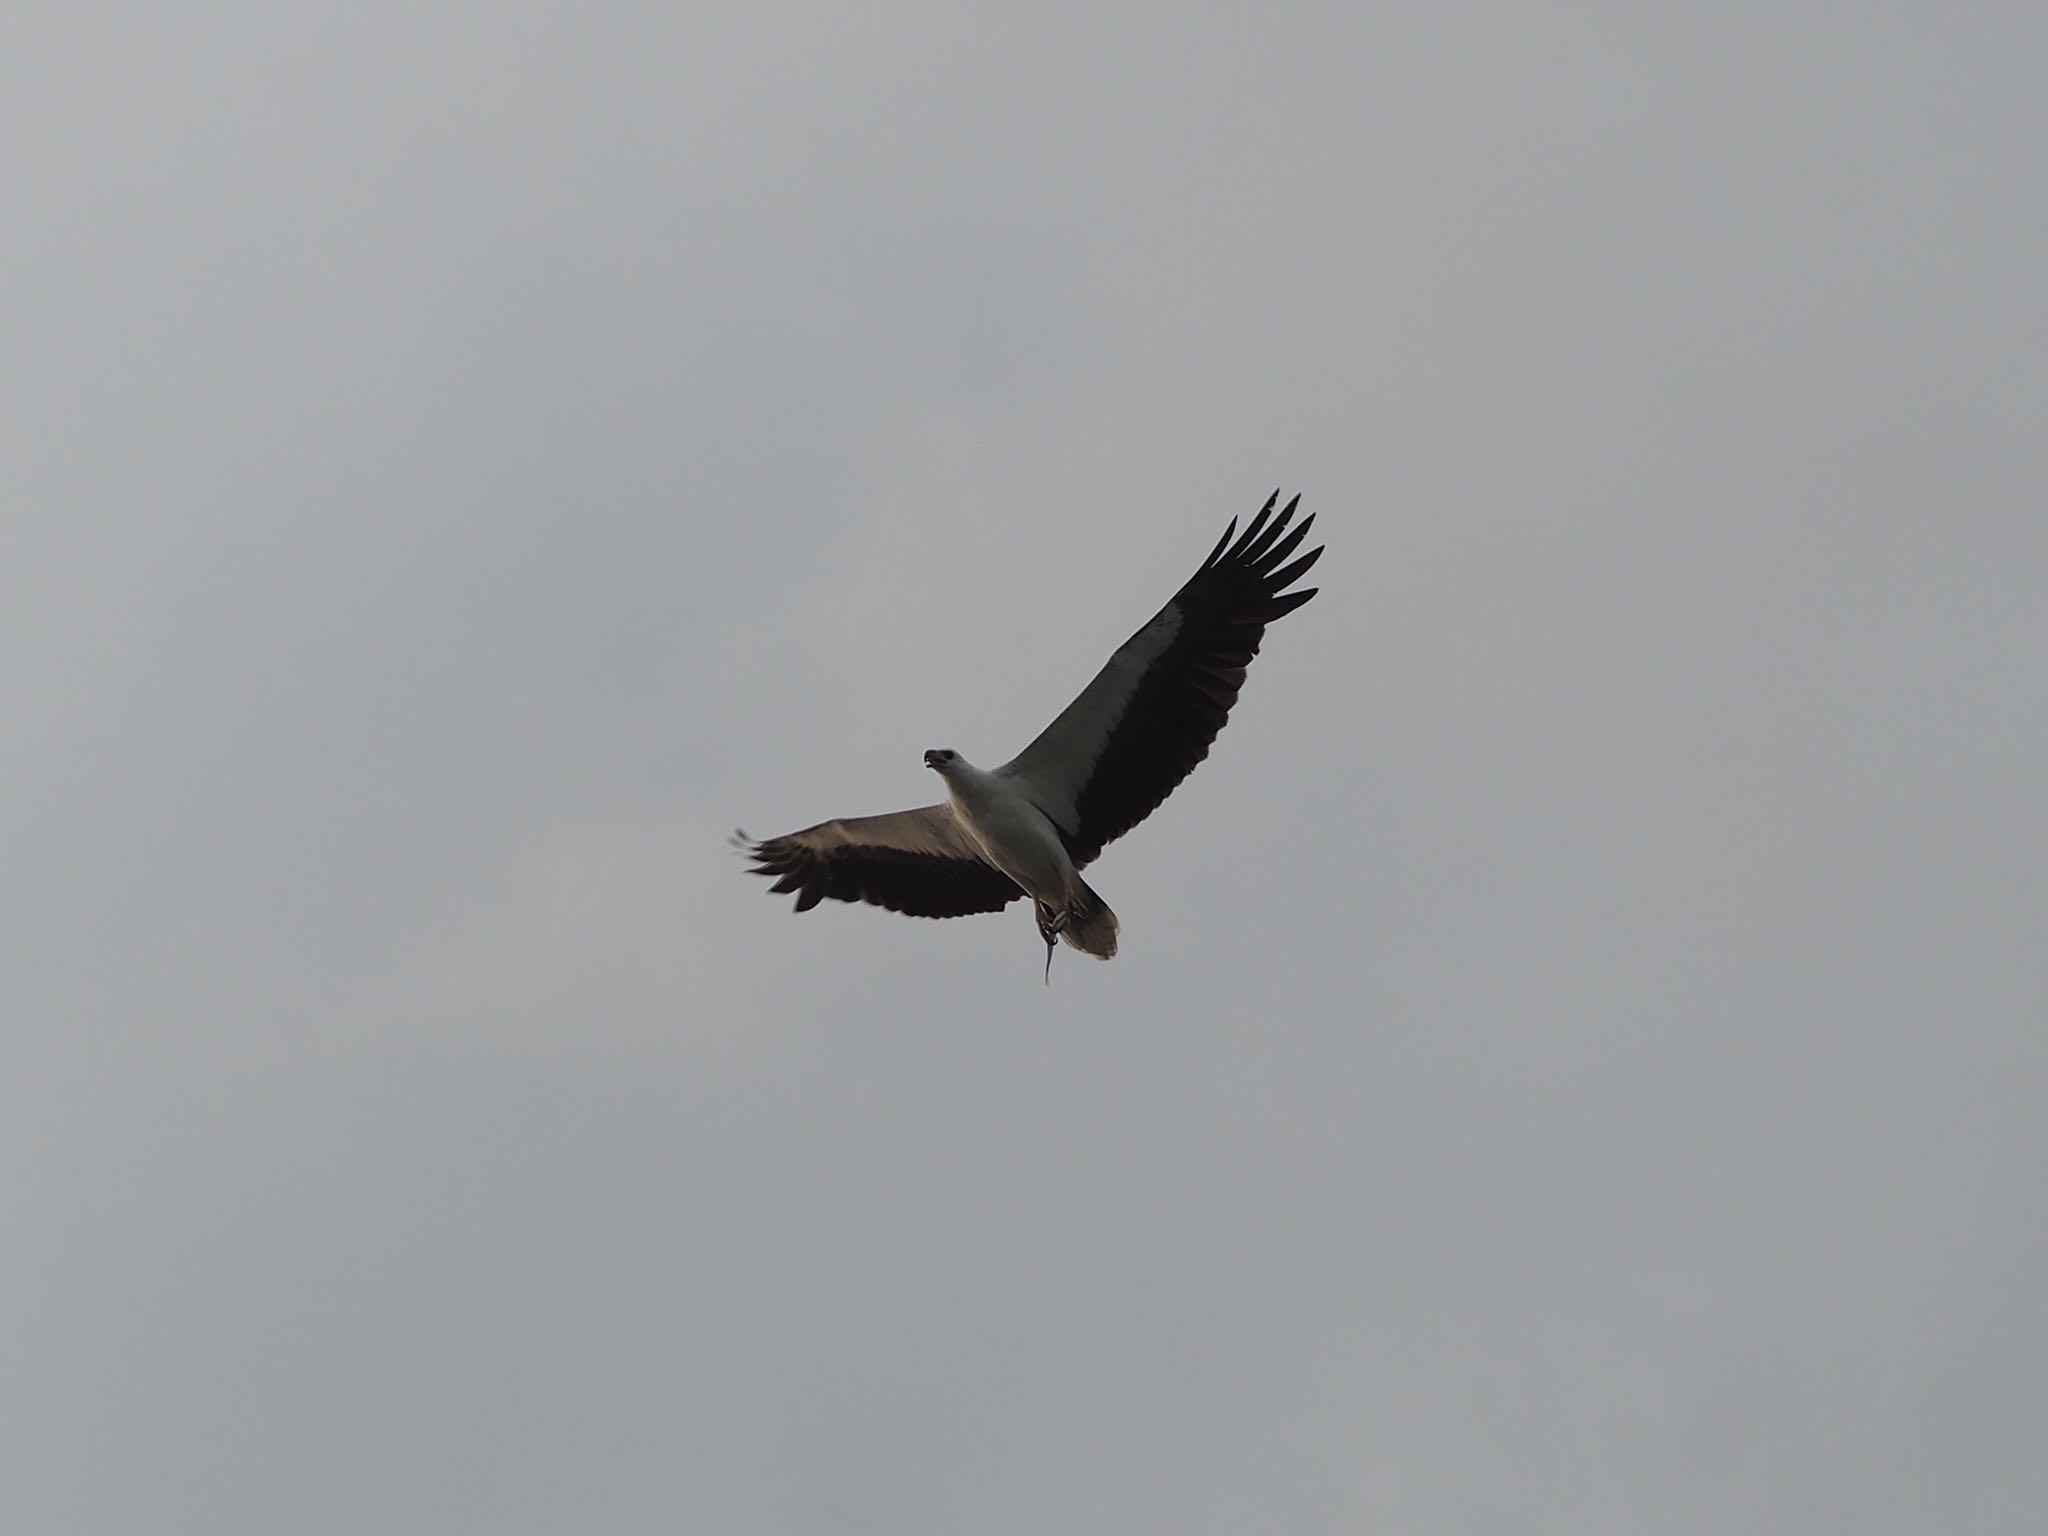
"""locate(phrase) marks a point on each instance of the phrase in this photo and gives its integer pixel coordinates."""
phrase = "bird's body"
(1009, 831)
(996, 811)
(1030, 826)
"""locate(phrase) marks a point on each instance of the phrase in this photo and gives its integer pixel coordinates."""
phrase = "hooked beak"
(931, 759)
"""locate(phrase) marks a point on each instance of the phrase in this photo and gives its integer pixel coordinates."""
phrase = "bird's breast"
(1018, 839)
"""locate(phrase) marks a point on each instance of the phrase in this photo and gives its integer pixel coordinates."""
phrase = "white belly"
(1016, 837)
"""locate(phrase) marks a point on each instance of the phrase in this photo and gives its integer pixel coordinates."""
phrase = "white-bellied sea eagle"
(1031, 826)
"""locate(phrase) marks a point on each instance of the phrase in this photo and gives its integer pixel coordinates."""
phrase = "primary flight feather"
(1029, 827)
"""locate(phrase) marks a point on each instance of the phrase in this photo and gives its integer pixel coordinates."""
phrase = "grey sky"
(1576, 1062)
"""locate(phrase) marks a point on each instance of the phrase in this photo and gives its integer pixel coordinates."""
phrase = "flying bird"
(1031, 826)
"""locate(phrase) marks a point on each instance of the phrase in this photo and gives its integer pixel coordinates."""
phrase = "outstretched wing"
(919, 862)
(1150, 714)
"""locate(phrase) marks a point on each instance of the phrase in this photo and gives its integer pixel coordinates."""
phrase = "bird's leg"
(1050, 926)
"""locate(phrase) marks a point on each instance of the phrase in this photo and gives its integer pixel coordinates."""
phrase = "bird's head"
(941, 758)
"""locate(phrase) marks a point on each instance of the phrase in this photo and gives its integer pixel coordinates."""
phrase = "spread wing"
(919, 862)
(1150, 714)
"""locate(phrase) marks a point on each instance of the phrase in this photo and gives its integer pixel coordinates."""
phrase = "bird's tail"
(1090, 926)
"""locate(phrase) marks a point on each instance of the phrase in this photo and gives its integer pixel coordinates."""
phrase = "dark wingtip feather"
(1281, 578)
(1222, 544)
(1254, 552)
(1280, 607)
(1286, 546)
(1251, 534)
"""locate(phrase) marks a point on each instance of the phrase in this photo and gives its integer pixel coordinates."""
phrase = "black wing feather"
(819, 862)
(1185, 696)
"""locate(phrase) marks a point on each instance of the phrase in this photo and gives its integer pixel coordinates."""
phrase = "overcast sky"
(1577, 1059)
